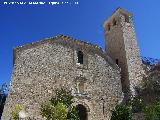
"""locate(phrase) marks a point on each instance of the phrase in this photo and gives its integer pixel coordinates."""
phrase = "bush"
(136, 103)
(60, 107)
(47, 109)
(60, 111)
(3, 96)
(152, 112)
(63, 96)
(73, 114)
(51, 112)
(149, 90)
(15, 112)
(121, 112)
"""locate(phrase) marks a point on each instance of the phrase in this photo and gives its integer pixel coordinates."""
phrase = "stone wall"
(41, 67)
(134, 61)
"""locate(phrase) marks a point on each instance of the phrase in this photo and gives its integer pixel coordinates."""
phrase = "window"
(117, 61)
(109, 27)
(80, 57)
(114, 22)
(127, 19)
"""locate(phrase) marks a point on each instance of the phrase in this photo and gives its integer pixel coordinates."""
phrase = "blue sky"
(21, 24)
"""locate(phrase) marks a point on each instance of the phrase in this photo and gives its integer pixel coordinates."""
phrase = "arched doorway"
(82, 111)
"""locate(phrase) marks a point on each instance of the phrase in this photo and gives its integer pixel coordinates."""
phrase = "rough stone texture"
(122, 46)
(41, 67)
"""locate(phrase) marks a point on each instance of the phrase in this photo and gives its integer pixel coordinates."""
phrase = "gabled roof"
(58, 37)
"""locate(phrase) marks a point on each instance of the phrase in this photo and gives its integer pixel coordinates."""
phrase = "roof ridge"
(64, 37)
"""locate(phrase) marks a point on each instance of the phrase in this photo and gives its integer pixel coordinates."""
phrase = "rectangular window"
(117, 61)
(80, 57)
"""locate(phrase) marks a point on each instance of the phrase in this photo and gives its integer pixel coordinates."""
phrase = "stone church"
(99, 79)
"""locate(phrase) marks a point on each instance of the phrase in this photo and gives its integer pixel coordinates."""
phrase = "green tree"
(60, 107)
(63, 96)
(136, 104)
(149, 93)
(54, 112)
(3, 96)
(1, 104)
(47, 109)
(152, 112)
(15, 112)
(149, 90)
(73, 114)
(121, 112)
(60, 111)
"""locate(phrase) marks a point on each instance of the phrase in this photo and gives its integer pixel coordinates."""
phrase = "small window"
(109, 27)
(80, 57)
(127, 19)
(114, 22)
(117, 61)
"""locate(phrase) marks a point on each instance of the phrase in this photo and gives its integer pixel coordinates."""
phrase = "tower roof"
(122, 11)
(119, 10)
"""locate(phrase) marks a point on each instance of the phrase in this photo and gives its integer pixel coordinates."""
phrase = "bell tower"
(121, 46)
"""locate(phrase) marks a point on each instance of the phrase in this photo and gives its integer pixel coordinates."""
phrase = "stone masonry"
(96, 83)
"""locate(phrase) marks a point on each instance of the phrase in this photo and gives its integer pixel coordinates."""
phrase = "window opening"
(117, 61)
(80, 57)
(109, 27)
(126, 19)
(114, 22)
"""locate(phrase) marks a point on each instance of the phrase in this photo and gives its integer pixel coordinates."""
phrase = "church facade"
(98, 79)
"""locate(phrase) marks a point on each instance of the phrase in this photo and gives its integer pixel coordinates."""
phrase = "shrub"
(73, 114)
(121, 112)
(60, 111)
(136, 103)
(63, 96)
(152, 112)
(51, 112)
(60, 107)
(3, 96)
(47, 109)
(149, 90)
(15, 112)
